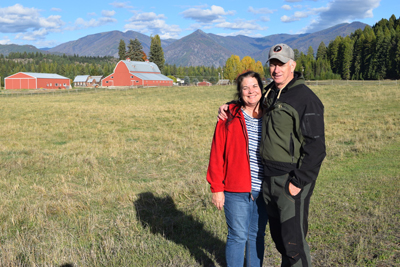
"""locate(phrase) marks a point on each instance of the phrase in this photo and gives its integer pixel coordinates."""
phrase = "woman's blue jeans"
(247, 220)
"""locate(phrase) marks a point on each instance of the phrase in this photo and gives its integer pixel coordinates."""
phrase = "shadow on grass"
(162, 216)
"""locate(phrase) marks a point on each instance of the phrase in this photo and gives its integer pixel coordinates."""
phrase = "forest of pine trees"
(369, 54)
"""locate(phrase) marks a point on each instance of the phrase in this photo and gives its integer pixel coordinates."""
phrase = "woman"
(235, 174)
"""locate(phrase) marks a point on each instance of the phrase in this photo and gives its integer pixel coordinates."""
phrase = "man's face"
(281, 73)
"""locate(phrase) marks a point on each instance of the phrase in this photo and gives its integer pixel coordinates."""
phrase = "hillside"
(104, 44)
(13, 48)
(196, 49)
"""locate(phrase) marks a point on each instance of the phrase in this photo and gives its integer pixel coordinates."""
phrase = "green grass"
(117, 178)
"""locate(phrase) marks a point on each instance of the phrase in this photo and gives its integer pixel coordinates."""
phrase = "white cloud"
(121, 5)
(108, 13)
(341, 11)
(5, 40)
(149, 16)
(286, 7)
(80, 23)
(32, 36)
(240, 25)
(206, 15)
(151, 23)
(20, 19)
(263, 10)
(55, 9)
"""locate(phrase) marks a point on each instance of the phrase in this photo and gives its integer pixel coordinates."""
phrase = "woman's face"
(251, 91)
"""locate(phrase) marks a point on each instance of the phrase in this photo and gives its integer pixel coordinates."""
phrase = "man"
(292, 150)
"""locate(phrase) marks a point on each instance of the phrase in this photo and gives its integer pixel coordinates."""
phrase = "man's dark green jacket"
(293, 139)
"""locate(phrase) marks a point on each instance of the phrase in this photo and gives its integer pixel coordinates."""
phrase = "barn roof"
(96, 78)
(45, 75)
(152, 77)
(138, 66)
(81, 78)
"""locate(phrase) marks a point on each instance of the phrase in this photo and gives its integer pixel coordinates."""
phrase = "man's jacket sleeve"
(313, 148)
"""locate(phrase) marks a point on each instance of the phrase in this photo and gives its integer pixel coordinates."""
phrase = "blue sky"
(48, 23)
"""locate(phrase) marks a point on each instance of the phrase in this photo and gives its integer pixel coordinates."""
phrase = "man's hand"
(222, 112)
(218, 199)
(293, 190)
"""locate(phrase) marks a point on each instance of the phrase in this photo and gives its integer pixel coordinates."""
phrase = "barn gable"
(136, 73)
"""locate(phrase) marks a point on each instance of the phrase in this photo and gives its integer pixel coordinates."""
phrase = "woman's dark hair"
(239, 103)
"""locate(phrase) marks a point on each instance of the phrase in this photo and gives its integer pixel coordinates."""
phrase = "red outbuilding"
(136, 73)
(204, 83)
(30, 80)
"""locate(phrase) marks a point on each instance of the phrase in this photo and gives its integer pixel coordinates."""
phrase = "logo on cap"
(278, 48)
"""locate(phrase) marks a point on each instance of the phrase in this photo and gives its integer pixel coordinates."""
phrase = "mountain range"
(196, 49)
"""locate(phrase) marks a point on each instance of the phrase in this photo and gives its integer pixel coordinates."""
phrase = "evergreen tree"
(321, 52)
(310, 53)
(156, 52)
(346, 53)
(135, 50)
(333, 56)
(122, 50)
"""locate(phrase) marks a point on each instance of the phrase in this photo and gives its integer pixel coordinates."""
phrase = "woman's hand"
(222, 112)
(293, 190)
(218, 199)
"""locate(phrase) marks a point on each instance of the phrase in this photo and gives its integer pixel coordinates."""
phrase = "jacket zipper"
(292, 147)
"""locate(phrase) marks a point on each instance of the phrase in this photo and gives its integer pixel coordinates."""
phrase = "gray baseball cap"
(281, 52)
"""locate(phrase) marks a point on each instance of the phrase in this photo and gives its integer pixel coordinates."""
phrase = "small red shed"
(31, 80)
(204, 83)
(136, 73)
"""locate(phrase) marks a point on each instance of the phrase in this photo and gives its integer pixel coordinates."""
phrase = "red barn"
(136, 73)
(30, 80)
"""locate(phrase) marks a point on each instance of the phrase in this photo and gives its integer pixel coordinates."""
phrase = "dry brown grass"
(117, 178)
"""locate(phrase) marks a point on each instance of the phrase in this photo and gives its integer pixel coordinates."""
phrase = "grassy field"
(117, 178)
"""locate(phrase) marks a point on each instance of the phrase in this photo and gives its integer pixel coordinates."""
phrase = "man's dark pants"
(288, 219)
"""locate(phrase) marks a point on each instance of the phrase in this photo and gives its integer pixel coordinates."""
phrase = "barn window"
(65, 84)
(106, 81)
(112, 77)
(131, 76)
(56, 84)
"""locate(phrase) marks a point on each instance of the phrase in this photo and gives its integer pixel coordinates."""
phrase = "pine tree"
(346, 54)
(122, 50)
(156, 52)
(321, 52)
(333, 56)
(135, 50)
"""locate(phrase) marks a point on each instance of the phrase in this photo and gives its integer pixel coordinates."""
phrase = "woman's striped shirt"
(253, 126)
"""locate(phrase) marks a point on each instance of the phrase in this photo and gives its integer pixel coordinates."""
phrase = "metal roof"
(134, 66)
(45, 75)
(81, 78)
(152, 77)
